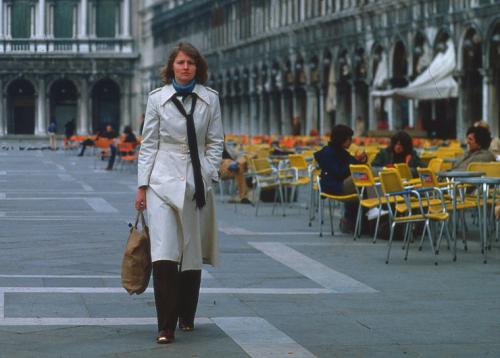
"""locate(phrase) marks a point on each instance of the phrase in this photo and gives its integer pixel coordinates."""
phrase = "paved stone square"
(280, 289)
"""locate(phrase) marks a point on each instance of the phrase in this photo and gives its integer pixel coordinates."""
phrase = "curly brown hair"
(167, 71)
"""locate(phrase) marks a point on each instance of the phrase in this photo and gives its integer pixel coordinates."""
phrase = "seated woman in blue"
(335, 178)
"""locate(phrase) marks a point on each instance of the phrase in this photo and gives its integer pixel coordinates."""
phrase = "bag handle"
(140, 215)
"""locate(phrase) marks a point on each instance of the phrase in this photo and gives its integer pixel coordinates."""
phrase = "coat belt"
(174, 147)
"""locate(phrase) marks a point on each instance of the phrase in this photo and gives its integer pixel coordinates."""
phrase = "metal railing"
(71, 46)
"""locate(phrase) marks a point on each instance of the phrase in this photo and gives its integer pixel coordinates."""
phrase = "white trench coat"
(178, 230)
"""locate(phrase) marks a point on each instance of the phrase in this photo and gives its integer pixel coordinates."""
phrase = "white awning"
(381, 74)
(436, 82)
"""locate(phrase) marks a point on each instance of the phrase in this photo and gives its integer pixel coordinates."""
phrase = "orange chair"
(126, 153)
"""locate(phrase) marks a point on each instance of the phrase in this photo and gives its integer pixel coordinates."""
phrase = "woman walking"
(180, 155)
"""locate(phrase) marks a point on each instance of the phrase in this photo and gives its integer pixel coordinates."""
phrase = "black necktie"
(199, 194)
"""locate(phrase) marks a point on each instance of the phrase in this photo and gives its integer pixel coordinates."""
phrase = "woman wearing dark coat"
(335, 178)
(399, 151)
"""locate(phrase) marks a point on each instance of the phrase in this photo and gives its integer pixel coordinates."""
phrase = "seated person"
(335, 178)
(129, 137)
(495, 142)
(108, 133)
(400, 150)
(234, 166)
(478, 141)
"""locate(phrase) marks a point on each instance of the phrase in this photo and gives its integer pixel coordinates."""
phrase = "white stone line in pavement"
(89, 321)
(86, 187)
(258, 338)
(62, 218)
(330, 244)
(100, 205)
(312, 269)
(232, 230)
(2, 214)
(60, 276)
(3, 196)
(204, 274)
(60, 167)
(3, 172)
(2, 305)
(65, 177)
(204, 290)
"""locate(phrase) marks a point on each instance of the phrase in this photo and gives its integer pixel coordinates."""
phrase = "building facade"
(324, 61)
(321, 61)
(66, 59)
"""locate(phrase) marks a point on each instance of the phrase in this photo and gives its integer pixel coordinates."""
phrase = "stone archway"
(400, 118)
(20, 107)
(472, 80)
(494, 61)
(63, 103)
(344, 90)
(105, 104)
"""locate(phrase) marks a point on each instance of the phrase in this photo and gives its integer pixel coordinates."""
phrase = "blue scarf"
(184, 89)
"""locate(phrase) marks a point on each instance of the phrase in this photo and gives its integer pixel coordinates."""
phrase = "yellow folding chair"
(392, 187)
(330, 197)
(265, 177)
(363, 180)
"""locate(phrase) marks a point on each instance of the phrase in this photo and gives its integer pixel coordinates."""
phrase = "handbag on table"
(136, 262)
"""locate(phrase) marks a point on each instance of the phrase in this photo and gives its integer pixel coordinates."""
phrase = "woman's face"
(184, 68)
(398, 148)
(347, 143)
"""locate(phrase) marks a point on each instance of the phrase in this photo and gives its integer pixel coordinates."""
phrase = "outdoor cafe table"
(457, 175)
(482, 184)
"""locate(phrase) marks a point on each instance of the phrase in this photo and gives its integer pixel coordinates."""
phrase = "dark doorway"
(63, 103)
(105, 105)
(439, 117)
(472, 82)
(21, 108)
(399, 79)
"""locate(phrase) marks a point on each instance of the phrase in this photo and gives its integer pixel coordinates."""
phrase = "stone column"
(372, 124)
(354, 106)
(262, 114)
(229, 118)
(125, 104)
(460, 124)
(411, 113)
(1, 20)
(310, 109)
(253, 115)
(40, 29)
(84, 18)
(389, 107)
(245, 113)
(295, 104)
(126, 18)
(3, 113)
(82, 123)
(284, 118)
(486, 96)
(321, 128)
(41, 122)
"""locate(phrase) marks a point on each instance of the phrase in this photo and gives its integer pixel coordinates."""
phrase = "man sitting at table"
(234, 166)
(478, 141)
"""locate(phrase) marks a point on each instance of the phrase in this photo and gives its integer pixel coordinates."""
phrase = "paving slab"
(62, 243)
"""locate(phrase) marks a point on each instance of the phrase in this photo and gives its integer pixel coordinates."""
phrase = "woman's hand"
(362, 157)
(140, 199)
